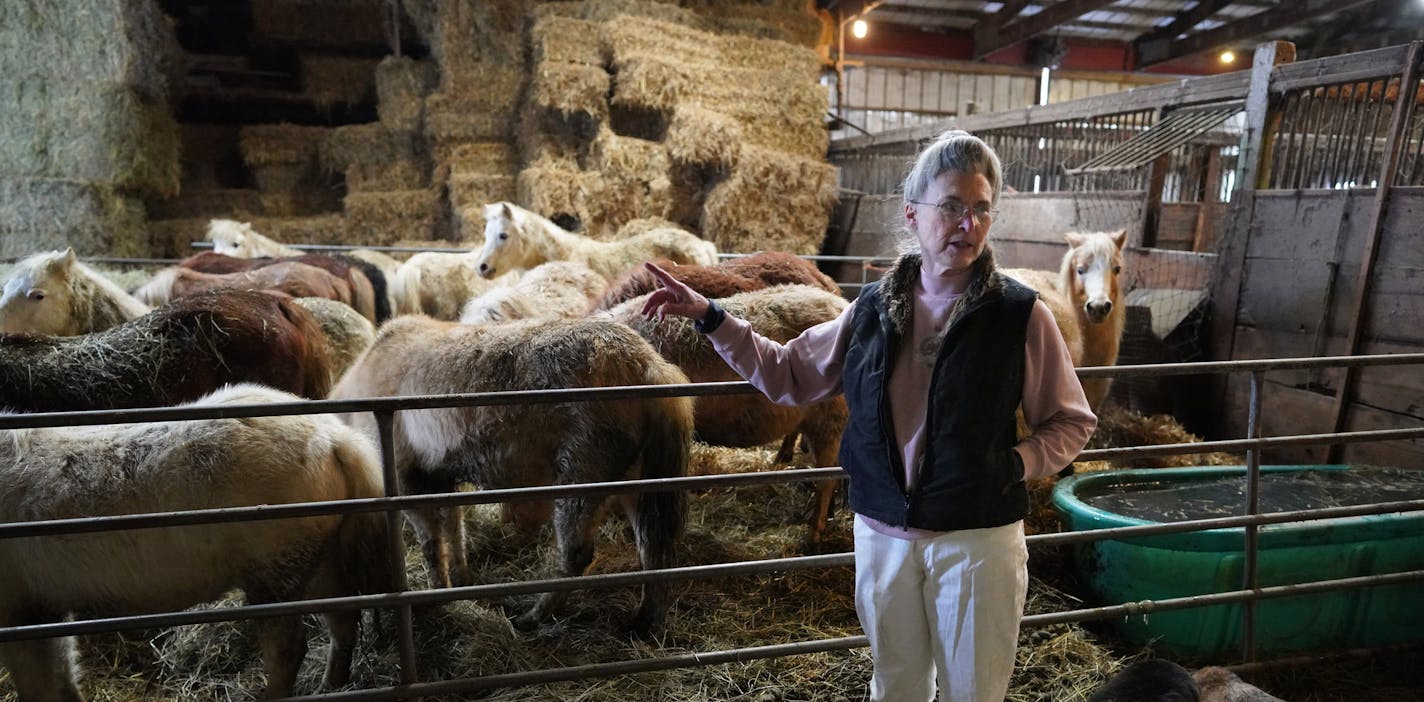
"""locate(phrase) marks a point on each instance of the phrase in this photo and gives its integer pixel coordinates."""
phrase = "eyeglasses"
(954, 211)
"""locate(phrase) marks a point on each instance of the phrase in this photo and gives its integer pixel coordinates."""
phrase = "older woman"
(933, 360)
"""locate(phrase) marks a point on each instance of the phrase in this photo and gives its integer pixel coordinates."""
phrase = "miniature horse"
(68, 472)
(1086, 300)
(176, 353)
(517, 239)
(724, 279)
(54, 294)
(362, 277)
(530, 444)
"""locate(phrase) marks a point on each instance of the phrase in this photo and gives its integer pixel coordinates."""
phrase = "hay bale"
(273, 144)
(332, 79)
(379, 218)
(775, 110)
(788, 21)
(771, 201)
(461, 117)
(88, 131)
(571, 88)
(467, 190)
(474, 36)
(403, 174)
(557, 188)
(693, 47)
(559, 39)
(370, 144)
(701, 137)
(649, 82)
(401, 86)
(39, 214)
(316, 229)
(480, 157)
(635, 183)
(130, 44)
(605, 10)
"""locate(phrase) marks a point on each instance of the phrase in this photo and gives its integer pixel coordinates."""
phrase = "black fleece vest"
(967, 478)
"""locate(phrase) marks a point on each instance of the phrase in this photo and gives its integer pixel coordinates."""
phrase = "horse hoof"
(525, 622)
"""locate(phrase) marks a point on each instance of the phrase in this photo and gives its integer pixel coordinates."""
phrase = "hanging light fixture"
(1228, 56)
(859, 29)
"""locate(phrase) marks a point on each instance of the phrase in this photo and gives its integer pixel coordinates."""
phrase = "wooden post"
(1152, 207)
(1394, 145)
(1226, 290)
(1210, 184)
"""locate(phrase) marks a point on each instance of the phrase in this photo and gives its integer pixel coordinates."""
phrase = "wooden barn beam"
(996, 36)
(1148, 47)
(987, 30)
(1245, 28)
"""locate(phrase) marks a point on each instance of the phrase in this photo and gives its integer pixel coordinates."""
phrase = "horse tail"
(667, 450)
(316, 361)
(406, 288)
(362, 561)
(377, 279)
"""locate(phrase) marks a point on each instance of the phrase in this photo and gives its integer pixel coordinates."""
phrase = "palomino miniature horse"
(56, 295)
(505, 446)
(176, 353)
(364, 297)
(438, 284)
(517, 239)
(1086, 299)
(67, 472)
(723, 279)
(240, 240)
(779, 313)
(553, 290)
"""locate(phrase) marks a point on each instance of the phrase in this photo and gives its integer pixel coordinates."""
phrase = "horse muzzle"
(1098, 311)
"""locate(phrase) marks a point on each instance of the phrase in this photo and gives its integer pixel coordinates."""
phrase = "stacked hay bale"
(469, 119)
(86, 134)
(642, 109)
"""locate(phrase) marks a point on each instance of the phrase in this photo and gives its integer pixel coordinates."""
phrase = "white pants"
(945, 608)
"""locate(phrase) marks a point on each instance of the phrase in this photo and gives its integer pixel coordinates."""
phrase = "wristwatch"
(711, 319)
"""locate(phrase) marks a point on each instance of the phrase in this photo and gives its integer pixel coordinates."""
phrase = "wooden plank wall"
(1298, 283)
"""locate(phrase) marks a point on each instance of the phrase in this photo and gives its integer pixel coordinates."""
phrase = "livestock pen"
(646, 668)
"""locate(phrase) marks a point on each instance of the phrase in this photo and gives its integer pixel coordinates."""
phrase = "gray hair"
(954, 150)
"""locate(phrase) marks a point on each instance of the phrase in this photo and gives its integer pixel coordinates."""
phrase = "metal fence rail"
(403, 599)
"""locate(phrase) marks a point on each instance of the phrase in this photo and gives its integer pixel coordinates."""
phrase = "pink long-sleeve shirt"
(808, 368)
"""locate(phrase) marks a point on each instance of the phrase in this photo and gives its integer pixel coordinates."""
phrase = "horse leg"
(823, 427)
(576, 522)
(656, 538)
(788, 448)
(528, 516)
(281, 641)
(440, 530)
(43, 670)
(344, 625)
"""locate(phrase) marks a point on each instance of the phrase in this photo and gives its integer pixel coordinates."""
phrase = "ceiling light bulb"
(859, 29)
(1228, 56)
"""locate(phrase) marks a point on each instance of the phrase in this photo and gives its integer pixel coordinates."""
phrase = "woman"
(933, 360)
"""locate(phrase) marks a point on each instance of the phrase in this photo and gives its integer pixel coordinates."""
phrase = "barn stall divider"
(1270, 214)
(384, 408)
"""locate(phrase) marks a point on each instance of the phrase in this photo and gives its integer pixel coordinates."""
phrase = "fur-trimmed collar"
(899, 288)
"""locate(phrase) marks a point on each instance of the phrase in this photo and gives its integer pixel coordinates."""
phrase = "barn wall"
(881, 94)
(86, 134)
(1298, 288)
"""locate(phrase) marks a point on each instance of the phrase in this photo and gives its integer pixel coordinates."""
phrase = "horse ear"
(1119, 237)
(69, 259)
(507, 209)
(1075, 239)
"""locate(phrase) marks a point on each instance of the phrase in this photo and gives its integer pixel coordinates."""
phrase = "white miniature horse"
(438, 284)
(68, 472)
(1086, 299)
(517, 239)
(238, 239)
(56, 295)
(553, 290)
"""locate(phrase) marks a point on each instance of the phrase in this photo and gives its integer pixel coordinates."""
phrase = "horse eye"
(1082, 270)
(503, 236)
(36, 295)
(1117, 269)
